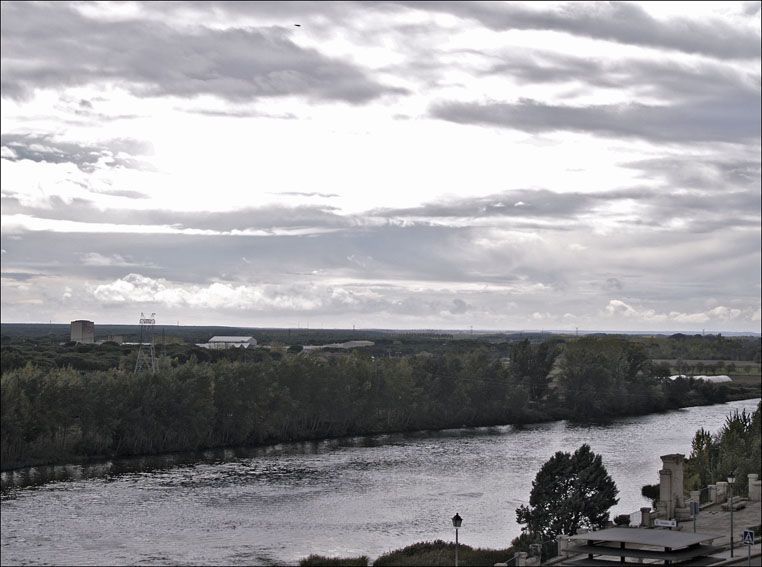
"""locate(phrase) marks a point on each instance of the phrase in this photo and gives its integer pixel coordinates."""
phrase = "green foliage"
(322, 561)
(651, 491)
(532, 366)
(735, 448)
(438, 552)
(703, 347)
(603, 377)
(64, 402)
(571, 491)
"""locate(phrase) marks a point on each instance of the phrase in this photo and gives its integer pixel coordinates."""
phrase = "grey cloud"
(459, 307)
(732, 121)
(704, 80)
(519, 204)
(700, 172)
(611, 21)
(658, 266)
(308, 194)
(243, 113)
(129, 194)
(151, 58)
(20, 276)
(695, 205)
(752, 8)
(268, 218)
(45, 148)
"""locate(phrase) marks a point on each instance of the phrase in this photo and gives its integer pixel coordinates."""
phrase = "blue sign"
(748, 537)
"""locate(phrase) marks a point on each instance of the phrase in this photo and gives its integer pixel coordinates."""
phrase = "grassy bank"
(432, 553)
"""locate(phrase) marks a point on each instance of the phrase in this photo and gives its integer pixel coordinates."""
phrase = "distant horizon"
(466, 331)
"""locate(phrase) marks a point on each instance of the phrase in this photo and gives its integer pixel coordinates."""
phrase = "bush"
(439, 552)
(651, 491)
(322, 561)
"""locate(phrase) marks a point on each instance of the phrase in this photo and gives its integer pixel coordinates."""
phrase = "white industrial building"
(229, 342)
(83, 331)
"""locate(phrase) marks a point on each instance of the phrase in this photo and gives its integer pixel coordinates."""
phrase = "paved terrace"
(713, 520)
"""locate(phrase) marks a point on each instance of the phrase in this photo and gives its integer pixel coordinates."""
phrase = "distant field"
(738, 363)
(742, 367)
(754, 380)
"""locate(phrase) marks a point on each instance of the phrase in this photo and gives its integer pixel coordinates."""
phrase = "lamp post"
(456, 522)
(731, 482)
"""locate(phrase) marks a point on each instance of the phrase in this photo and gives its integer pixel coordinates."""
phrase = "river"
(347, 497)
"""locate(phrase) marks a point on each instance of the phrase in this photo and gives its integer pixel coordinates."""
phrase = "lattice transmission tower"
(146, 361)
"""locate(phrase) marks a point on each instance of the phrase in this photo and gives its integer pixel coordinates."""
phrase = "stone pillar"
(671, 484)
(696, 496)
(562, 542)
(713, 498)
(722, 491)
(664, 504)
(645, 517)
(755, 487)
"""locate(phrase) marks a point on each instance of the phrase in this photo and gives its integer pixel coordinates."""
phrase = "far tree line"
(54, 415)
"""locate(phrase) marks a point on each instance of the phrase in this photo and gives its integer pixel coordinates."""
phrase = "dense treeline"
(52, 414)
(736, 448)
(703, 347)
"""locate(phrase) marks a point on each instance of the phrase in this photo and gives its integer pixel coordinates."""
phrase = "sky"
(400, 165)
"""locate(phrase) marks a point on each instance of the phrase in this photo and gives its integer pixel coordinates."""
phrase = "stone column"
(755, 487)
(713, 497)
(645, 517)
(722, 491)
(671, 484)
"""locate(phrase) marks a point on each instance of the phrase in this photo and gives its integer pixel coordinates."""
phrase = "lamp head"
(731, 478)
(456, 520)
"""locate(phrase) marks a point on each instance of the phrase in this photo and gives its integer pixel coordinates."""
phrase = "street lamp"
(731, 482)
(456, 522)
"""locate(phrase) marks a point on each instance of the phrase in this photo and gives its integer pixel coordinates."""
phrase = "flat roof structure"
(667, 546)
(226, 339)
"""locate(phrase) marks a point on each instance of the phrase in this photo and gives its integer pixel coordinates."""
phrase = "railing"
(549, 549)
(546, 550)
(704, 496)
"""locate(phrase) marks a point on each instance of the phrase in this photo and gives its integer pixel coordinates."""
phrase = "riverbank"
(64, 415)
(742, 388)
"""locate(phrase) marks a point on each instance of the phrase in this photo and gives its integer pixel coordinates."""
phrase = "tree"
(570, 492)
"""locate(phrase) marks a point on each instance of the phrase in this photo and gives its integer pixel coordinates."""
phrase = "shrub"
(322, 561)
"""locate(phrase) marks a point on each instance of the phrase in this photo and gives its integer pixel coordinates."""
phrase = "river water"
(348, 497)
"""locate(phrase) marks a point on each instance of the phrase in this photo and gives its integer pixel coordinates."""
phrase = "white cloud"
(720, 314)
(95, 259)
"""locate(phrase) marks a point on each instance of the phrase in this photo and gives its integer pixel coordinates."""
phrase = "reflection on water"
(351, 496)
(36, 476)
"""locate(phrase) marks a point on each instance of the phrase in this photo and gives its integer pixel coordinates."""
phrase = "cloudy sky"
(383, 164)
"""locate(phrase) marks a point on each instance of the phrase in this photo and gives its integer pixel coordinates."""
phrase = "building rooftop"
(656, 537)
